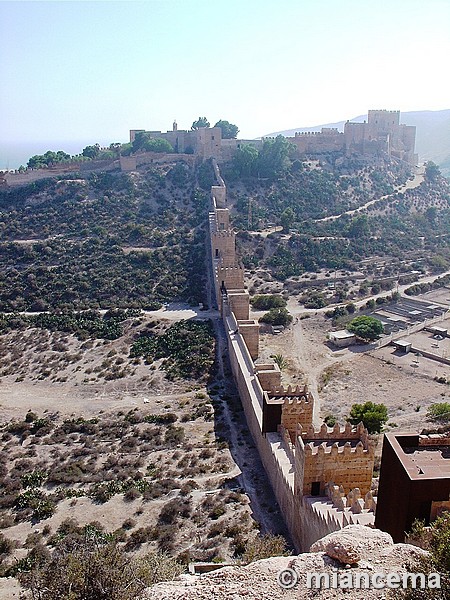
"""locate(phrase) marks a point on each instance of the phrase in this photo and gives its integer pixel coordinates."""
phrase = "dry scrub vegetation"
(31, 354)
(161, 485)
(152, 472)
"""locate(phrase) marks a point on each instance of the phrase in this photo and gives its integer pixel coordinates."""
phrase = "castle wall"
(383, 121)
(295, 412)
(344, 457)
(162, 158)
(222, 219)
(219, 195)
(240, 305)
(272, 412)
(232, 277)
(315, 142)
(382, 134)
(316, 519)
(209, 142)
(269, 376)
(128, 163)
(224, 247)
(346, 467)
(250, 332)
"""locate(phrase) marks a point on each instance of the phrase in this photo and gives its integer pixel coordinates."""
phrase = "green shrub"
(268, 301)
(187, 346)
(373, 416)
(165, 419)
(435, 539)
(439, 411)
(93, 567)
(265, 546)
(330, 420)
(277, 316)
(367, 328)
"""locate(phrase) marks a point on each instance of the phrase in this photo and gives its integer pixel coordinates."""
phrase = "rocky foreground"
(354, 550)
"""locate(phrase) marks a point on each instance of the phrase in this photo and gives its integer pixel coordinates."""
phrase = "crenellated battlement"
(348, 432)
(334, 449)
(324, 131)
(290, 402)
(232, 269)
(384, 111)
(343, 455)
(289, 391)
(229, 233)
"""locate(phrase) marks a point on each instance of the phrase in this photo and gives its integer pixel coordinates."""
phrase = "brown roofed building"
(414, 481)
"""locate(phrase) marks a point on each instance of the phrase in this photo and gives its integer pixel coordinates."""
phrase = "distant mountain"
(432, 136)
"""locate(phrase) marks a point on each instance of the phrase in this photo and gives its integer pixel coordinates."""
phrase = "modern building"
(342, 338)
(414, 481)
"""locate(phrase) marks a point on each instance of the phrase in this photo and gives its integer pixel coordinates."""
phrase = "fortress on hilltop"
(321, 477)
(381, 135)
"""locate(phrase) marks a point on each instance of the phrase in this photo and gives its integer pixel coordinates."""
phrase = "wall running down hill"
(321, 479)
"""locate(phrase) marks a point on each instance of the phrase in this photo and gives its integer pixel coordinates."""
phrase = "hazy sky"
(93, 70)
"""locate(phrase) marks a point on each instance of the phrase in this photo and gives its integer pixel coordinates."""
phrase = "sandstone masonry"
(321, 479)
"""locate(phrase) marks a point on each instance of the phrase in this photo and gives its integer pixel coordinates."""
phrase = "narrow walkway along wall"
(315, 499)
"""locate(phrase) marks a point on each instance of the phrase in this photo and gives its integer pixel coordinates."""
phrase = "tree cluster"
(229, 131)
(187, 347)
(367, 328)
(49, 159)
(270, 162)
(146, 142)
(267, 301)
(277, 316)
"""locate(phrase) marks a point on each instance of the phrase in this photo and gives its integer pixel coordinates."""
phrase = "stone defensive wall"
(318, 477)
(312, 142)
(124, 163)
(30, 175)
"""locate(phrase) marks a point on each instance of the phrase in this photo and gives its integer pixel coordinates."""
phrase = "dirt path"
(302, 345)
(311, 358)
(339, 378)
(409, 185)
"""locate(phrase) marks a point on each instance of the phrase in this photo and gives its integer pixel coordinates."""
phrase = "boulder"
(375, 550)
(352, 544)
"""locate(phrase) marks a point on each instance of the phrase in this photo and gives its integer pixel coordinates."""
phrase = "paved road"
(298, 309)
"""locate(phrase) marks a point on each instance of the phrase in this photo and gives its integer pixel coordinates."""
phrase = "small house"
(403, 346)
(342, 338)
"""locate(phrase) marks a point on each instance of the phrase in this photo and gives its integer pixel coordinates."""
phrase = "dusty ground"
(60, 377)
(55, 371)
(342, 377)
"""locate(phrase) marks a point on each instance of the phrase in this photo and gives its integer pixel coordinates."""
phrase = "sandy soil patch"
(340, 378)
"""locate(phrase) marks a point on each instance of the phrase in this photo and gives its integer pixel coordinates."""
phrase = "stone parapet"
(345, 457)
(250, 332)
(239, 301)
(269, 375)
